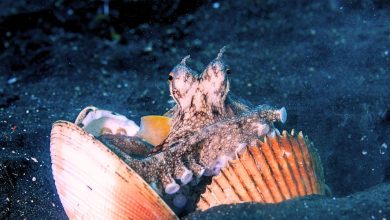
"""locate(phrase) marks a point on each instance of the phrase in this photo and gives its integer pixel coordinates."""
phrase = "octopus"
(200, 101)
(210, 126)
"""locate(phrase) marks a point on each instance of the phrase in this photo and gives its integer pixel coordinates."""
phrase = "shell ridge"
(309, 165)
(220, 187)
(302, 165)
(210, 199)
(257, 182)
(214, 196)
(238, 188)
(270, 198)
(226, 180)
(202, 203)
(217, 191)
(294, 166)
(291, 164)
(275, 169)
(279, 154)
(246, 180)
(317, 169)
(267, 173)
(314, 167)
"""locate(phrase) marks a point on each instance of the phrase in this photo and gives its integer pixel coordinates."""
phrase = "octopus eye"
(228, 71)
(170, 77)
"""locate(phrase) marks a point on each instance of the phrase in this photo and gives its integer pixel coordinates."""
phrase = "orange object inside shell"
(154, 129)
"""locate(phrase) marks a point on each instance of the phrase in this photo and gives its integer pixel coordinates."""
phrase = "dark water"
(327, 62)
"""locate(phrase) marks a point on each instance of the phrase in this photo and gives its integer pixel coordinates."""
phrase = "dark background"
(327, 62)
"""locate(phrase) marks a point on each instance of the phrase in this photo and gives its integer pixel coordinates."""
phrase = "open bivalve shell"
(93, 183)
(153, 128)
(98, 121)
(281, 167)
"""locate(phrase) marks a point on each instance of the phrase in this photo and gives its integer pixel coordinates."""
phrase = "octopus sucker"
(211, 148)
(182, 173)
(169, 184)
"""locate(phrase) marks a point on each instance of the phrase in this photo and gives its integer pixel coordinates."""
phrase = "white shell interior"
(95, 122)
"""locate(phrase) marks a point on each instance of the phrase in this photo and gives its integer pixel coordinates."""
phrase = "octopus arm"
(238, 105)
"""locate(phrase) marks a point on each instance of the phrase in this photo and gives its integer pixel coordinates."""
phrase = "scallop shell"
(93, 183)
(279, 168)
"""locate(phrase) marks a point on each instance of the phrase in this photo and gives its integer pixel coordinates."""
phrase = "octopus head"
(182, 84)
(214, 80)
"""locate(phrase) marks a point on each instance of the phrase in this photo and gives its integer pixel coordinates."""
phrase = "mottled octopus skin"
(204, 148)
(208, 128)
(201, 101)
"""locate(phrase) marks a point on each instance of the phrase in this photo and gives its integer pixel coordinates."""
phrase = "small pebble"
(197, 43)
(12, 80)
(216, 5)
(383, 148)
(69, 12)
(148, 48)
